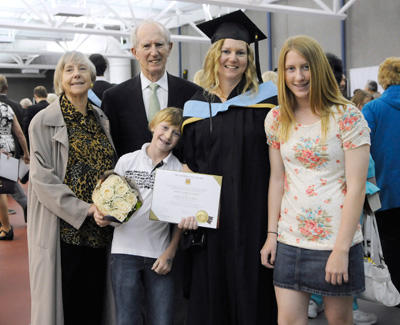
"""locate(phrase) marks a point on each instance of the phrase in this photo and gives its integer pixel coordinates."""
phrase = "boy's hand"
(189, 223)
(163, 264)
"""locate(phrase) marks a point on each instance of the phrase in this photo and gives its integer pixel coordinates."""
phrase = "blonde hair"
(197, 76)
(171, 115)
(71, 57)
(324, 90)
(209, 79)
(389, 72)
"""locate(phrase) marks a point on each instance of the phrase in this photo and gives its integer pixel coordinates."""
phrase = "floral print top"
(315, 183)
(6, 122)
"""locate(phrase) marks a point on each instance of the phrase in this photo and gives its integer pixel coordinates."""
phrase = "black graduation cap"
(235, 25)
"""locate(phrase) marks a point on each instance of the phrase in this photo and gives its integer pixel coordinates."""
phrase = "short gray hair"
(25, 102)
(165, 31)
(74, 57)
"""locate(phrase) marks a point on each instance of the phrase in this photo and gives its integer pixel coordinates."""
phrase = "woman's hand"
(268, 252)
(163, 264)
(26, 158)
(189, 223)
(336, 269)
(5, 153)
(98, 216)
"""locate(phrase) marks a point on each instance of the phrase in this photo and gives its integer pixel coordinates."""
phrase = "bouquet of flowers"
(116, 197)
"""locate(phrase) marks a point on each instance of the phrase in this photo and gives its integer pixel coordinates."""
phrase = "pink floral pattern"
(310, 190)
(272, 130)
(314, 182)
(315, 225)
(311, 153)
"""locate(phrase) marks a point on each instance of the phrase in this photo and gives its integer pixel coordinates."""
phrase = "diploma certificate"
(177, 195)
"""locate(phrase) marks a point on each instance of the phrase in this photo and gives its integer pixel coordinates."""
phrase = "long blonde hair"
(209, 79)
(324, 90)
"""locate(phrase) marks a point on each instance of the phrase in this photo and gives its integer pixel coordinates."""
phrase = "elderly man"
(131, 104)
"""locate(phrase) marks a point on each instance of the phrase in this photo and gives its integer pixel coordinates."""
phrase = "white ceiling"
(33, 33)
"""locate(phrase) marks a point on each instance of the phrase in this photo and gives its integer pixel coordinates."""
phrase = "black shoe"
(7, 235)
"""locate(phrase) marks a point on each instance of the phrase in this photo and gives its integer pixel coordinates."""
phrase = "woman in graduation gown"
(223, 134)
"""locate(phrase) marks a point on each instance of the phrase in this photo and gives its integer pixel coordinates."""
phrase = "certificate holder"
(178, 195)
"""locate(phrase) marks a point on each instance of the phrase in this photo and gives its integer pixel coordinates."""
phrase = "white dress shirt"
(162, 91)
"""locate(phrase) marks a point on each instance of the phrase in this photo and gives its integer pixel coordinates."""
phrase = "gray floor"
(386, 315)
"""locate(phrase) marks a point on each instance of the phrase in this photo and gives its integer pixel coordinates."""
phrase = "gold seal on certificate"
(202, 216)
(178, 195)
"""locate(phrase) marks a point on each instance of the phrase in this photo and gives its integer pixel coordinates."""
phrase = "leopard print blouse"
(90, 154)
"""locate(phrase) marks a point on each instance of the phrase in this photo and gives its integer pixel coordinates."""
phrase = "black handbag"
(193, 238)
(6, 186)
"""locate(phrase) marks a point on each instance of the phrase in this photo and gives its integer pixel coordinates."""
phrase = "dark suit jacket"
(19, 113)
(30, 112)
(100, 86)
(123, 104)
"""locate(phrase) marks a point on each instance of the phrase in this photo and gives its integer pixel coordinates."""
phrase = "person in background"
(101, 84)
(8, 126)
(19, 194)
(318, 149)
(372, 87)
(51, 97)
(337, 68)
(223, 135)
(25, 102)
(40, 96)
(270, 76)
(143, 250)
(383, 117)
(361, 97)
(71, 148)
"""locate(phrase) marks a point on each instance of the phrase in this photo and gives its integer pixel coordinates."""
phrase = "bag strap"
(372, 242)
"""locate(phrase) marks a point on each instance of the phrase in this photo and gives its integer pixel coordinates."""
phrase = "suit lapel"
(171, 84)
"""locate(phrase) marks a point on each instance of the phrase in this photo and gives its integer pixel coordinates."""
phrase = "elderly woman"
(70, 148)
(8, 126)
(223, 135)
(383, 117)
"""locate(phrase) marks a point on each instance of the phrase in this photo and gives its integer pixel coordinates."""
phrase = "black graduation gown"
(229, 286)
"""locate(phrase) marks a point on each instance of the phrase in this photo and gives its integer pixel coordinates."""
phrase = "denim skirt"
(303, 269)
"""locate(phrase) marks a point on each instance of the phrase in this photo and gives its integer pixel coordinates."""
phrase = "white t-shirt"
(139, 235)
(315, 182)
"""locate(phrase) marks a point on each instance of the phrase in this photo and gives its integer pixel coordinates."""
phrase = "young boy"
(142, 251)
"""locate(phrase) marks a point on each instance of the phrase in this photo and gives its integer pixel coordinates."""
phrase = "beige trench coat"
(48, 200)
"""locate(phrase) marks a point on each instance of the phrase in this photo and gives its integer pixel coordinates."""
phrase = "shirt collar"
(144, 151)
(70, 111)
(162, 82)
